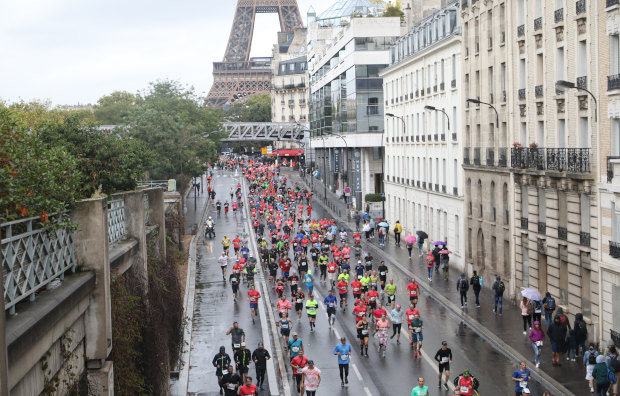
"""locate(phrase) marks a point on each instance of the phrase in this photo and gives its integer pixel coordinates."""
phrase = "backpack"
(501, 288)
(550, 304)
(530, 308)
(592, 357)
(481, 281)
(582, 328)
(615, 364)
(477, 280)
(463, 284)
(611, 377)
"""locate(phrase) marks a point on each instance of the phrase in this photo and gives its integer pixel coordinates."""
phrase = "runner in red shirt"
(359, 310)
(466, 384)
(410, 314)
(248, 389)
(343, 288)
(309, 210)
(331, 272)
(413, 289)
(253, 296)
(236, 244)
(297, 363)
(378, 313)
(373, 297)
(356, 286)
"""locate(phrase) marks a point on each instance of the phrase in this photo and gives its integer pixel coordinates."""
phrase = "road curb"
(544, 378)
(266, 307)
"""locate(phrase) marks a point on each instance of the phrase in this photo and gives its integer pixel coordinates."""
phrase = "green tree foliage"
(31, 115)
(114, 109)
(394, 11)
(36, 180)
(256, 109)
(171, 121)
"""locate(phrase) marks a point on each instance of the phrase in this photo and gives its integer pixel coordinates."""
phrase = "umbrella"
(444, 251)
(410, 239)
(383, 224)
(531, 294)
(422, 234)
(439, 243)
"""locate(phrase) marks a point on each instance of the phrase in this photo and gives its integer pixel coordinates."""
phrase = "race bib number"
(295, 349)
(418, 330)
(382, 273)
(233, 280)
(285, 326)
(331, 305)
(359, 277)
(293, 282)
(237, 345)
(444, 360)
(373, 298)
(299, 300)
(231, 386)
(523, 384)
(356, 289)
(344, 356)
(411, 317)
(464, 389)
(224, 372)
(364, 332)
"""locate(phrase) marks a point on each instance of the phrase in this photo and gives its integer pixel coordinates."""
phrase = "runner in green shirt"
(365, 281)
(421, 389)
(311, 306)
(344, 276)
(390, 289)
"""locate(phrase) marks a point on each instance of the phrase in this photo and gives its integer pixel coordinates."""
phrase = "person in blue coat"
(343, 350)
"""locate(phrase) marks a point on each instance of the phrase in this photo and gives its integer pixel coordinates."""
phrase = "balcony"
(428, 90)
(417, 138)
(424, 185)
(453, 136)
(558, 15)
(521, 31)
(476, 155)
(503, 96)
(522, 94)
(491, 99)
(490, 43)
(302, 103)
(573, 160)
(613, 82)
(436, 136)
(417, 93)
(542, 227)
(503, 157)
(417, 183)
(453, 84)
(443, 137)
(477, 46)
(442, 86)
(582, 82)
(584, 239)
(562, 233)
(443, 189)
(435, 88)
(614, 249)
(524, 223)
(580, 6)
(502, 38)
(611, 3)
(282, 102)
(455, 191)
(423, 138)
(429, 137)
(538, 23)
(612, 163)
(466, 155)
(291, 103)
(538, 90)
(436, 187)
(527, 158)
(490, 156)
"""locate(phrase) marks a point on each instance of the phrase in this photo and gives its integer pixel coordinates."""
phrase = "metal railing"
(574, 160)
(490, 156)
(453, 135)
(538, 23)
(558, 15)
(455, 191)
(522, 94)
(580, 5)
(612, 3)
(613, 82)
(582, 82)
(154, 183)
(453, 84)
(524, 223)
(442, 86)
(476, 155)
(116, 221)
(33, 257)
(542, 227)
(538, 91)
(562, 233)
(520, 30)
(614, 249)
(584, 238)
(503, 157)
(466, 155)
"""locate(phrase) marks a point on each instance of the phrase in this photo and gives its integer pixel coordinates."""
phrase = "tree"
(31, 115)
(36, 180)
(256, 109)
(171, 121)
(114, 109)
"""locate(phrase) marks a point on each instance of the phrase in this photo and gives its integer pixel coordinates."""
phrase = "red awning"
(287, 153)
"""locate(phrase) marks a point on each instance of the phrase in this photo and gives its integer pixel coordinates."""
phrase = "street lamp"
(571, 85)
(476, 101)
(433, 108)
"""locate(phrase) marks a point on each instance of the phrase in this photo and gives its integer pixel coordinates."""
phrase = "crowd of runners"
(297, 250)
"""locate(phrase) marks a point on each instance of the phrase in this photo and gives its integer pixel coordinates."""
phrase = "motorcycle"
(210, 232)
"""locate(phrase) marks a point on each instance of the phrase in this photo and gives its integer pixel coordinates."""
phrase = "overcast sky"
(75, 51)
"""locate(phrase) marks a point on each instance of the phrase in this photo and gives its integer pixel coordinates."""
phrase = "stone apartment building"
(423, 183)
(608, 172)
(553, 153)
(487, 179)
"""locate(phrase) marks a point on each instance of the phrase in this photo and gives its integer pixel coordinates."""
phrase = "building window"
(614, 54)
(506, 204)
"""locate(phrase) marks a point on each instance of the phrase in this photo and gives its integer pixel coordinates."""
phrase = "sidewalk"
(504, 332)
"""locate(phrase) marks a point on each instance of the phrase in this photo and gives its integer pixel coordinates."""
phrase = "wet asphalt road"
(395, 374)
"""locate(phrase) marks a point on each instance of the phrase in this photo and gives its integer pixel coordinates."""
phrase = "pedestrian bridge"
(256, 131)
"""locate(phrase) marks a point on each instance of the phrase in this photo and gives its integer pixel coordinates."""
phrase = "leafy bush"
(374, 198)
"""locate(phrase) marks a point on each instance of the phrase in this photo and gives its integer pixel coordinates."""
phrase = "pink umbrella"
(444, 252)
(410, 239)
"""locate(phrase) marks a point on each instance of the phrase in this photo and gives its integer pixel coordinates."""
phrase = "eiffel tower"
(237, 73)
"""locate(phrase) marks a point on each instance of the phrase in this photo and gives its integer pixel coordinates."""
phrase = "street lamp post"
(571, 85)
(433, 108)
(476, 101)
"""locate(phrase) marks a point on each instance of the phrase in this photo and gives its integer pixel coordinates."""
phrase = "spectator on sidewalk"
(557, 336)
(476, 283)
(549, 307)
(372, 228)
(538, 308)
(358, 218)
(571, 345)
(527, 309)
(398, 228)
(537, 336)
(581, 332)
(462, 286)
(614, 365)
(589, 360)
(600, 376)
(498, 288)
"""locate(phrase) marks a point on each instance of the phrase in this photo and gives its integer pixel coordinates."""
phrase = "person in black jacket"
(462, 286)
(557, 336)
(231, 382)
(243, 358)
(581, 332)
(475, 283)
(221, 361)
(260, 357)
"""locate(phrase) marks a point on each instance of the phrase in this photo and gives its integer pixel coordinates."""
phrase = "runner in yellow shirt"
(311, 307)
(225, 243)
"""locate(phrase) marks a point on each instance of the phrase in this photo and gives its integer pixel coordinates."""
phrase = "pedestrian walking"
(499, 288)
(601, 376)
(429, 266)
(444, 358)
(260, 357)
(527, 309)
(537, 336)
(343, 351)
(589, 361)
(581, 332)
(358, 219)
(310, 378)
(521, 377)
(476, 283)
(409, 249)
(538, 308)
(557, 336)
(571, 345)
(398, 229)
(462, 286)
(614, 365)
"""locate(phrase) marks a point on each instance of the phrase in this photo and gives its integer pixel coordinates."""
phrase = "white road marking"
(367, 391)
(357, 372)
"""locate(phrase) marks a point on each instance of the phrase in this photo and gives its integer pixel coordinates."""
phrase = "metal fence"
(32, 257)
(116, 221)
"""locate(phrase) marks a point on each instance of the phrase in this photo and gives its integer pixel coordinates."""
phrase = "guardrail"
(33, 256)
(116, 221)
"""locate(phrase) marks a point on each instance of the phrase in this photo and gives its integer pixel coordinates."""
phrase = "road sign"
(347, 191)
(299, 152)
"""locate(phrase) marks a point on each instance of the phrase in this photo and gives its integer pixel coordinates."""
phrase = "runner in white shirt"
(223, 260)
(310, 379)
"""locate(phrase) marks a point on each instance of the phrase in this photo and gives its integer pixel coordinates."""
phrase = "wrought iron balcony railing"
(466, 155)
(542, 227)
(558, 15)
(614, 249)
(522, 94)
(490, 156)
(453, 84)
(584, 238)
(527, 158)
(613, 82)
(455, 191)
(503, 157)
(453, 136)
(520, 30)
(562, 233)
(580, 6)
(538, 23)
(573, 160)
(539, 91)
(476, 155)
(612, 3)
(582, 82)
(442, 86)
(524, 223)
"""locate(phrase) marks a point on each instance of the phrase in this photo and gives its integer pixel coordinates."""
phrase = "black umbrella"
(422, 234)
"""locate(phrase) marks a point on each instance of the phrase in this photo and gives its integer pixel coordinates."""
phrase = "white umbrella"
(531, 294)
